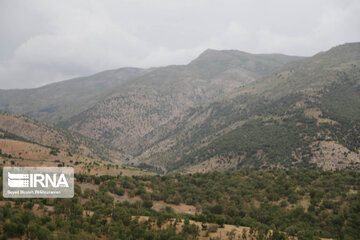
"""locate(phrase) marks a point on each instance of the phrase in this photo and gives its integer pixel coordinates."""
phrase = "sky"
(44, 41)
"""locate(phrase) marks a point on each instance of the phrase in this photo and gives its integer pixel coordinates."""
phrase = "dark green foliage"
(12, 229)
(235, 192)
(262, 200)
(341, 102)
(257, 140)
(147, 204)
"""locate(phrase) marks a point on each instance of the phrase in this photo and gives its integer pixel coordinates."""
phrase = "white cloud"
(49, 40)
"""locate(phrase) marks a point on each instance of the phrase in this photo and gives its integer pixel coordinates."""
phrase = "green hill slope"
(304, 115)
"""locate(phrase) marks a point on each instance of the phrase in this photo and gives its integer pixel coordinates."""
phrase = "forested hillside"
(273, 205)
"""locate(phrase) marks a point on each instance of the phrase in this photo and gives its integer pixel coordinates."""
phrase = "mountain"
(135, 109)
(31, 138)
(58, 101)
(304, 115)
(226, 110)
(121, 107)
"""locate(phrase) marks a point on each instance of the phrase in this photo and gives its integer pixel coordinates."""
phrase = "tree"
(13, 229)
(147, 204)
(192, 230)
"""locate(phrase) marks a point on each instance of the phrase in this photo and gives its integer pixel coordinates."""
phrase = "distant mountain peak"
(211, 53)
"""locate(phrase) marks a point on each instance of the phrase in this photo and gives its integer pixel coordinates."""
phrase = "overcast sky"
(43, 41)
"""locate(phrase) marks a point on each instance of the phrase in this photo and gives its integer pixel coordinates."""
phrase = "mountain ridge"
(53, 102)
(194, 117)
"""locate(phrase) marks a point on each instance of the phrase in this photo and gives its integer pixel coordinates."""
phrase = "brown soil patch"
(42, 211)
(85, 186)
(181, 208)
(125, 197)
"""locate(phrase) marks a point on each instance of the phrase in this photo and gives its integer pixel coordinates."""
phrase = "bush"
(147, 204)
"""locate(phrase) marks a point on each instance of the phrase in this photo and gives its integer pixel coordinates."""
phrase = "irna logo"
(38, 182)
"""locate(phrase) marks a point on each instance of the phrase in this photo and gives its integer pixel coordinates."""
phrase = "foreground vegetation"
(307, 204)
